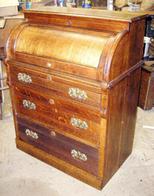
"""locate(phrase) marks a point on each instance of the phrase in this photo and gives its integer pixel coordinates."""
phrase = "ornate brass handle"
(32, 134)
(29, 105)
(75, 122)
(77, 93)
(24, 78)
(76, 154)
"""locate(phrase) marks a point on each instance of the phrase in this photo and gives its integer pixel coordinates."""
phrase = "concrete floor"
(23, 175)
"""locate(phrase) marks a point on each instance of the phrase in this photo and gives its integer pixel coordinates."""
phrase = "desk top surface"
(90, 13)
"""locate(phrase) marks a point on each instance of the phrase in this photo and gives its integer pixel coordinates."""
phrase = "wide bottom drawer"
(78, 154)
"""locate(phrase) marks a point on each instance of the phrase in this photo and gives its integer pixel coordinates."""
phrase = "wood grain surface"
(98, 55)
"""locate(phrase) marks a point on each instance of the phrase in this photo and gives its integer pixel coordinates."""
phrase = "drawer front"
(57, 114)
(78, 154)
(59, 86)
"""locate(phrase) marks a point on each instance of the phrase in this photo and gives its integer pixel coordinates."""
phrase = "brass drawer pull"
(52, 133)
(28, 105)
(77, 93)
(49, 77)
(75, 122)
(49, 64)
(51, 101)
(76, 154)
(24, 78)
(32, 134)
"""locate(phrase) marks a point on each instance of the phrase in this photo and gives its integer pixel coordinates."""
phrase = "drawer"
(83, 125)
(48, 140)
(60, 86)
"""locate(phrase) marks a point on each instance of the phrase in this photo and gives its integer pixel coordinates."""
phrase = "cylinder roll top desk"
(74, 80)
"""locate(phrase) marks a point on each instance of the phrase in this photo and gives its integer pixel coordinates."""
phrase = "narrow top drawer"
(76, 91)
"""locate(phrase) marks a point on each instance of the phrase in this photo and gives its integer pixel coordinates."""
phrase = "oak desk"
(74, 80)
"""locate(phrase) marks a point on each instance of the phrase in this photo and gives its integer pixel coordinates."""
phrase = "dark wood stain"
(111, 83)
(59, 145)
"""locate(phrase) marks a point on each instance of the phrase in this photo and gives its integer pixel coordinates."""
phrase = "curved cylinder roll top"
(72, 43)
(78, 48)
(75, 47)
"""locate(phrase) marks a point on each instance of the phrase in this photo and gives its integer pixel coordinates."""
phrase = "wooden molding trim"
(124, 74)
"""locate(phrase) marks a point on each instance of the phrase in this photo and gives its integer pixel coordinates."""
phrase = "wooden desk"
(74, 80)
